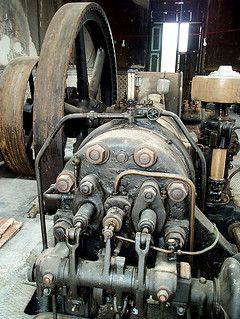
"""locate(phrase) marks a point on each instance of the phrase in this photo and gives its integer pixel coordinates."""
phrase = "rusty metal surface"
(52, 72)
(13, 85)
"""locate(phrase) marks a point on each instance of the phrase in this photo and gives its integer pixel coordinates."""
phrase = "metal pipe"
(197, 150)
(177, 68)
(218, 163)
(182, 252)
(90, 115)
(167, 176)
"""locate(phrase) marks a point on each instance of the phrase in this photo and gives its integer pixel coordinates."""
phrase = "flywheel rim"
(13, 86)
(50, 81)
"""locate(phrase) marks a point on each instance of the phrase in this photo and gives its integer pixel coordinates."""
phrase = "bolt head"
(144, 157)
(202, 280)
(180, 311)
(171, 241)
(48, 279)
(86, 188)
(65, 181)
(122, 157)
(96, 154)
(59, 233)
(149, 194)
(46, 291)
(163, 295)
(177, 191)
(135, 311)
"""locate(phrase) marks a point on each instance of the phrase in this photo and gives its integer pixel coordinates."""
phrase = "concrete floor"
(16, 256)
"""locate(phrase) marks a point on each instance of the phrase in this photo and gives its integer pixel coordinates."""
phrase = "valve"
(147, 221)
(112, 222)
(83, 215)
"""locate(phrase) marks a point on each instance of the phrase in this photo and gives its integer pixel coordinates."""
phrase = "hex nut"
(65, 181)
(86, 188)
(202, 280)
(177, 191)
(163, 295)
(149, 194)
(122, 157)
(144, 157)
(48, 279)
(96, 154)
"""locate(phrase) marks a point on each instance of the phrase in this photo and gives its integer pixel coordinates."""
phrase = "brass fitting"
(218, 164)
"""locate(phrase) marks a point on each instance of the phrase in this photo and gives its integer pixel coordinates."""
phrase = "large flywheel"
(16, 100)
(64, 45)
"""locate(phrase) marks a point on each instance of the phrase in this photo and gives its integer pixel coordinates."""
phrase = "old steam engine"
(144, 220)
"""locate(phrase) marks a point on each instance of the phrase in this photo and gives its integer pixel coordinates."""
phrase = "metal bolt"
(127, 208)
(59, 229)
(171, 241)
(135, 311)
(163, 295)
(144, 157)
(177, 191)
(65, 181)
(180, 311)
(122, 157)
(149, 194)
(96, 154)
(202, 280)
(86, 188)
(46, 291)
(48, 279)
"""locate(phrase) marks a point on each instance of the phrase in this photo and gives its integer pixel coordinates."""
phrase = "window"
(169, 44)
(156, 39)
